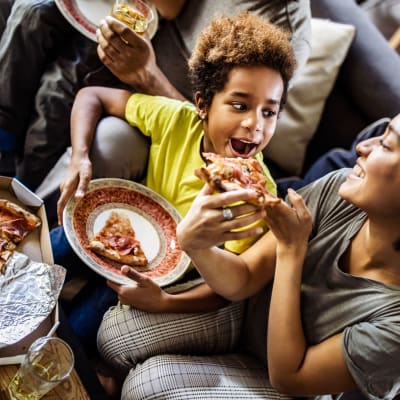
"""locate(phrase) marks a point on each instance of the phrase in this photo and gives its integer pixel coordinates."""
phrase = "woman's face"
(374, 183)
(242, 117)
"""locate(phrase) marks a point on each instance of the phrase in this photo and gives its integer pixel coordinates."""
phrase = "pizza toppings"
(224, 174)
(15, 224)
(117, 241)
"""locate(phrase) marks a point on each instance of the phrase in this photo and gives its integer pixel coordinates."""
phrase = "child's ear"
(200, 105)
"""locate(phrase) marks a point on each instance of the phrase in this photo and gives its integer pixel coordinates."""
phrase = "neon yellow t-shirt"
(176, 133)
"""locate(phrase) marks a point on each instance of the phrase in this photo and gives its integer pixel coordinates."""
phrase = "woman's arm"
(294, 367)
(204, 228)
(89, 105)
(131, 58)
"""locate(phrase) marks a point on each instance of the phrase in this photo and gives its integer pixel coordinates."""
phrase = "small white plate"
(152, 217)
(85, 15)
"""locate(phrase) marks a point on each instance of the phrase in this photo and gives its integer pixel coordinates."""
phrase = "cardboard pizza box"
(37, 247)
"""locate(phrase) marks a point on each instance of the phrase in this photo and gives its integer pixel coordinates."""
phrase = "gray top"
(368, 312)
(176, 39)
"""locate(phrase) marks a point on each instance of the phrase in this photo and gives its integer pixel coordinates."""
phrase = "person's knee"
(119, 150)
(34, 10)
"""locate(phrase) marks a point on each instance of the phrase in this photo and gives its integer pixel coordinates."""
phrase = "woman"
(334, 256)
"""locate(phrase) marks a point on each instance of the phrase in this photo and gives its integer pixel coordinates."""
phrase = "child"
(240, 70)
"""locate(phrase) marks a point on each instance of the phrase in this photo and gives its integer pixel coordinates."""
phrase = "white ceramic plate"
(152, 217)
(85, 15)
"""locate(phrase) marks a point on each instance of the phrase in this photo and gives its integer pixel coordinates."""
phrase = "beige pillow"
(299, 120)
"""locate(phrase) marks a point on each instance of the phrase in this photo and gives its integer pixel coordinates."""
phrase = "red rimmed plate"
(152, 217)
(85, 15)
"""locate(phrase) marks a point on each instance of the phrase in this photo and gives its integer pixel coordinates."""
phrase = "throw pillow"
(310, 88)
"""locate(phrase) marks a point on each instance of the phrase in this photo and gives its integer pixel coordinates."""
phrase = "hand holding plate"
(77, 179)
(143, 293)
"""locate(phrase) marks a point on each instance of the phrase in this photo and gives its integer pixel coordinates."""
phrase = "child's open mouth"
(242, 147)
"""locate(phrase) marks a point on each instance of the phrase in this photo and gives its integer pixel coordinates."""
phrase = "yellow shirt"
(176, 133)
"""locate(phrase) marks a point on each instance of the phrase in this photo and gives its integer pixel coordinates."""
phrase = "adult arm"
(89, 106)
(146, 295)
(203, 229)
(295, 368)
(131, 57)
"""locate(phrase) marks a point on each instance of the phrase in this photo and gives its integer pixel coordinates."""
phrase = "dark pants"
(86, 310)
(44, 61)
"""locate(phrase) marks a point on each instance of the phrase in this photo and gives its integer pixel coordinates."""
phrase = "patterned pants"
(181, 356)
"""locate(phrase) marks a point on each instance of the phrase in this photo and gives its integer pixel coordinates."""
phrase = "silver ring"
(227, 214)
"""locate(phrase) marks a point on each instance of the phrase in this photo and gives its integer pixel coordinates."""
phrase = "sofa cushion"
(385, 14)
(310, 88)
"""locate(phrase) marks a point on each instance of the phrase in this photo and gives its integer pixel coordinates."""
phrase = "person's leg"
(333, 159)
(5, 10)
(119, 150)
(179, 377)
(85, 311)
(34, 33)
(128, 336)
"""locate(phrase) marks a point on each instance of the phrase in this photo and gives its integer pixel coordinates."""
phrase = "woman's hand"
(205, 226)
(291, 225)
(77, 179)
(126, 54)
(143, 293)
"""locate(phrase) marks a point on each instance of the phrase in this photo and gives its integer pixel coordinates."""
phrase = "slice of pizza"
(15, 224)
(117, 241)
(224, 174)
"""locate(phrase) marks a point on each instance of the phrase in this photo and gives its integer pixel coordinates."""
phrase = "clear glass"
(134, 13)
(48, 362)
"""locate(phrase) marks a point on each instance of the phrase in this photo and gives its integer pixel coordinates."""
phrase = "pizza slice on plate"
(117, 241)
(224, 174)
(15, 224)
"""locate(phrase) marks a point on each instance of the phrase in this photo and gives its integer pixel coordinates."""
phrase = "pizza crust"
(130, 259)
(117, 241)
(225, 174)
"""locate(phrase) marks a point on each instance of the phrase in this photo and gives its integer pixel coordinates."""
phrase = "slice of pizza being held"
(15, 224)
(117, 241)
(224, 174)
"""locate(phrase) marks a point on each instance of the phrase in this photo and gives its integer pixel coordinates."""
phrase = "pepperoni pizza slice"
(224, 174)
(15, 224)
(117, 241)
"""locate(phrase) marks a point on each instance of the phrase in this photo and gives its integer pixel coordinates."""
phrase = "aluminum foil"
(29, 291)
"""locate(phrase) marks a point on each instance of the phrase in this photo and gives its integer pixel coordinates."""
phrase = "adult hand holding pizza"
(213, 217)
(143, 293)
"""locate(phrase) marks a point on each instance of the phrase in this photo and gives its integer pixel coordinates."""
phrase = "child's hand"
(77, 179)
(143, 293)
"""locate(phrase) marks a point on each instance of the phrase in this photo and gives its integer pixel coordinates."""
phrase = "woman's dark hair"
(244, 40)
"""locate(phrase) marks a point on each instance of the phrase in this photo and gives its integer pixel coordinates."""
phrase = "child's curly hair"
(244, 40)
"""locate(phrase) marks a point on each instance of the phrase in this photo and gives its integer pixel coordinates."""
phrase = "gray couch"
(368, 84)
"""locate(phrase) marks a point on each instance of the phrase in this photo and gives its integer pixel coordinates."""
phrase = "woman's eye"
(383, 145)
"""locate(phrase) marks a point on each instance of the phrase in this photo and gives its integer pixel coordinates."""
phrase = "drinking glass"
(48, 362)
(134, 13)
